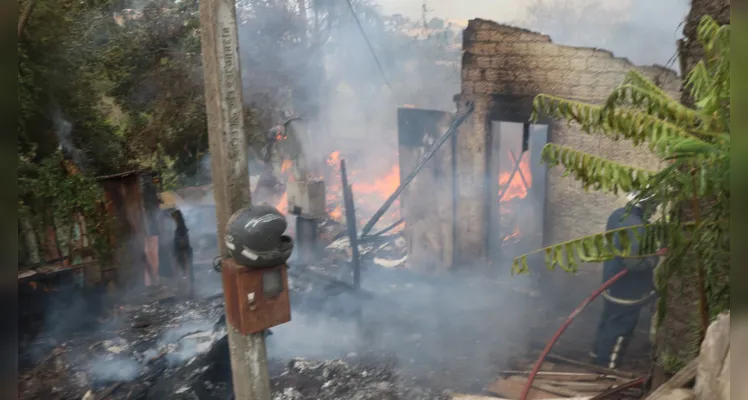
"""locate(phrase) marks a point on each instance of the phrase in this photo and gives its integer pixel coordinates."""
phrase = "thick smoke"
(332, 79)
(645, 32)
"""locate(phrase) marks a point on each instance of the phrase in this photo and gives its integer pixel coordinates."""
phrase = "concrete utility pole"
(228, 150)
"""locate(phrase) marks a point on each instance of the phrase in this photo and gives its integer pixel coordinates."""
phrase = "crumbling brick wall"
(503, 68)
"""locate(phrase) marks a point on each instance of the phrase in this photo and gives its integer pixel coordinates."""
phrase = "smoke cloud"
(642, 31)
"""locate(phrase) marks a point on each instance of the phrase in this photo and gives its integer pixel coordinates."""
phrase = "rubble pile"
(384, 251)
(132, 348)
(337, 379)
(162, 347)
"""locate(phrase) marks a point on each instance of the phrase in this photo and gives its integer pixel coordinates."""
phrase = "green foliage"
(599, 247)
(59, 75)
(49, 196)
(671, 363)
(692, 190)
(596, 173)
(122, 88)
(156, 81)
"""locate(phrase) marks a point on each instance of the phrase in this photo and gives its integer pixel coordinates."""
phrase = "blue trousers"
(614, 332)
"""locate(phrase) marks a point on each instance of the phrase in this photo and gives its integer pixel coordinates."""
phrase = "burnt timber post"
(350, 221)
(231, 190)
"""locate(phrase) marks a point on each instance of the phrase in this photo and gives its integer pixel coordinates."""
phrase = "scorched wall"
(503, 68)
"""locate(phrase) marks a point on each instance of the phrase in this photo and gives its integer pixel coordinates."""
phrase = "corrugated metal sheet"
(125, 203)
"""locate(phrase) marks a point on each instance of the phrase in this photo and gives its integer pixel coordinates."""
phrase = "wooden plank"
(427, 203)
(679, 380)
(552, 388)
(459, 396)
(575, 386)
(512, 389)
(566, 376)
(590, 367)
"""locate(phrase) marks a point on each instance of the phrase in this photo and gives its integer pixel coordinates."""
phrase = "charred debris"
(160, 344)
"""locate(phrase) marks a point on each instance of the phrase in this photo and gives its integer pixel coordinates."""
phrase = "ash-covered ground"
(404, 336)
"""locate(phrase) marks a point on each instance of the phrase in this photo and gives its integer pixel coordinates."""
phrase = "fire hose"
(601, 290)
(562, 329)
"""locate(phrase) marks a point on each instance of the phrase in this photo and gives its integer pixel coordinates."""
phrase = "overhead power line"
(368, 43)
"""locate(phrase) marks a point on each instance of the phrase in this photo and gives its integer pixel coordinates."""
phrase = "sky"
(644, 31)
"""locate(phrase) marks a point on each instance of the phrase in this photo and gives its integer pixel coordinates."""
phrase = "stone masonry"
(503, 69)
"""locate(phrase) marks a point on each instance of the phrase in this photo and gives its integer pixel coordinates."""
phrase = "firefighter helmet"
(637, 199)
(255, 239)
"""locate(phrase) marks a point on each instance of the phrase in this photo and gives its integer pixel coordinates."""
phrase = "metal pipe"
(452, 129)
(383, 231)
(350, 221)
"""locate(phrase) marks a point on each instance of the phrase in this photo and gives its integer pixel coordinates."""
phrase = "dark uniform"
(182, 248)
(624, 300)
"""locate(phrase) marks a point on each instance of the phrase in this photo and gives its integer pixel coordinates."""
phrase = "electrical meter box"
(256, 298)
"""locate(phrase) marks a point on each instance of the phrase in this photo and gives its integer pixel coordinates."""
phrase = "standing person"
(624, 300)
(182, 248)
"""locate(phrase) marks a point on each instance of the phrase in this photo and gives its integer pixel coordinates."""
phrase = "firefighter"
(281, 142)
(624, 300)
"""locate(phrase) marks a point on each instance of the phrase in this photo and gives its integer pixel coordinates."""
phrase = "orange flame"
(336, 213)
(333, 159)
(383, 186)
(282, 205)
(286, 166)
(516, 188)
(513, 235)
(369, 192)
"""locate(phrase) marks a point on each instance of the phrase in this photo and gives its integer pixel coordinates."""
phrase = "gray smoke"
(645, 32)
(64, 132)
(113, 369)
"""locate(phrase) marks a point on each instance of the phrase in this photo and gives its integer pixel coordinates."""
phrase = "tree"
(58, 75)
(694, 142)
(669, 340)
(154, 66)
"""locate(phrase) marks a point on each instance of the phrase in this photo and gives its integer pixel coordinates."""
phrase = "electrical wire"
(366, 39)
(560, 331)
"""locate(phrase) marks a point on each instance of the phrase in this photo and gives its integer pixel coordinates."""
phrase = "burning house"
(487, 188)
(482, 198)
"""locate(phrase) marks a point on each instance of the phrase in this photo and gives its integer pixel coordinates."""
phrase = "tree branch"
(25, 15)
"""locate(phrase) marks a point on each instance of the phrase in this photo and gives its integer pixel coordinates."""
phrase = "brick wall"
(504, 65)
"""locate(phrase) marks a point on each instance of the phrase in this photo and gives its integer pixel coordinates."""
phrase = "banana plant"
(693, 187)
